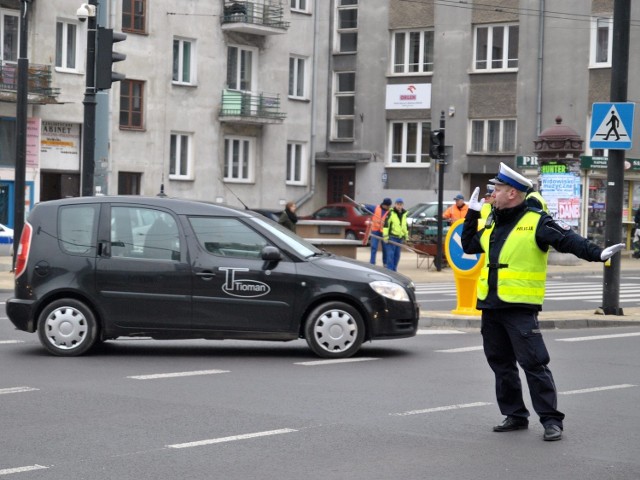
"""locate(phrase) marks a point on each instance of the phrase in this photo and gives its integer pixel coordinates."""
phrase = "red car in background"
(357, 216)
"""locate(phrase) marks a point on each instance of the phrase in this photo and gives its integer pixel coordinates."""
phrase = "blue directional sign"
(456, 256)
(612, 125)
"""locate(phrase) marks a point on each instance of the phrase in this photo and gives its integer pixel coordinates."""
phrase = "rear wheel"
(334, 330)
(350, 235)
(67, 327)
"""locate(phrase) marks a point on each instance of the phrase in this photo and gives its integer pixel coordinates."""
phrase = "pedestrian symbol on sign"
(611, 124)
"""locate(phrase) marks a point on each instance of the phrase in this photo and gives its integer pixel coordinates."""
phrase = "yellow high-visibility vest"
(522, 266)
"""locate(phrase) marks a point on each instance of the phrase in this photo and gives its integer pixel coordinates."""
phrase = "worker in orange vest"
(377, 222)
(456, 211)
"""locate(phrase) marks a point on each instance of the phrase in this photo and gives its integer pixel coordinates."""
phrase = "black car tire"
(67, 327)
(334, 330)
(350, 235)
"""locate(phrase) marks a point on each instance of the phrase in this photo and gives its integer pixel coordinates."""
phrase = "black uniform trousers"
(513, 335)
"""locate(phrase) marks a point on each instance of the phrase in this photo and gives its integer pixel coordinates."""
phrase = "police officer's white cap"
(490, 188)
(508, 176)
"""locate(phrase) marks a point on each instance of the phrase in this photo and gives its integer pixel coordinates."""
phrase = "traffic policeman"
(511, 287)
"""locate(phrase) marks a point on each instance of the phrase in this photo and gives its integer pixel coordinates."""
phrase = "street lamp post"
(89, 102)
(21, 127)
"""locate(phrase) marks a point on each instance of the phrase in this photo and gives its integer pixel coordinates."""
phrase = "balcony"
(255, 18)
(250, 108)
(40, 90)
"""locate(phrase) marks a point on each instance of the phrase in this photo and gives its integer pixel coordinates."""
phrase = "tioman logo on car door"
(242, 288)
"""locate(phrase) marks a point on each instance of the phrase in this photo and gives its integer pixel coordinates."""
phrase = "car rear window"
(77, 229)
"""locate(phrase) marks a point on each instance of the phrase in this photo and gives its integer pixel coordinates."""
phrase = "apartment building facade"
(266, 101)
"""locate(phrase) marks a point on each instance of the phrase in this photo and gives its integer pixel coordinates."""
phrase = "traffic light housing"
(436, 145)
(106, 57)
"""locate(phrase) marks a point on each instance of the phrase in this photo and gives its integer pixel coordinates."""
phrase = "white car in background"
(6, 240)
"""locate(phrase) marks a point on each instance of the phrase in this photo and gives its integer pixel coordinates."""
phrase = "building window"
(344, 105)
(131, 104)
(129, 183)
(134, 16)
(493, 136)
(67, 46)
(601, 42)
(296, 167)
(180, 156)
(496, 48)
(183, 61)
(412, 52)
(409, 143)
(9, 32)
(297, 77)
(347, 26)
(240, 68)
(300, 6)
(238, 159)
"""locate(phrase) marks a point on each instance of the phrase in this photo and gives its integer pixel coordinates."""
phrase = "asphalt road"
(405, 409)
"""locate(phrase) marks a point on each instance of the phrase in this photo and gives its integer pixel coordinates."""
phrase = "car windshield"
(300, 246)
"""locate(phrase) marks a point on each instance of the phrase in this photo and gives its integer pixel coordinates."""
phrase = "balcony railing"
(39, 91)
(258, 18)
(251, 107)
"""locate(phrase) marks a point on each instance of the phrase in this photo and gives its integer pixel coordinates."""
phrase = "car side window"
(228, 237)
(138, 232)
(77, 229)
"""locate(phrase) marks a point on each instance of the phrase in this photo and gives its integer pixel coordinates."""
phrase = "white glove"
(474, 203)
(609, 252)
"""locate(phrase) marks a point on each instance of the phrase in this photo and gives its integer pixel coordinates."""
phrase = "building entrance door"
(340, 181)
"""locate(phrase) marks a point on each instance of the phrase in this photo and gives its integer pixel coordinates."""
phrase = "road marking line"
(233, 438)
(176, 374)
(598, 337)
(29, 468)
(425, 331)
(337, 360)
(597, 389)
(8, 342)
(459, 350)
(441, 409)
(17, 390)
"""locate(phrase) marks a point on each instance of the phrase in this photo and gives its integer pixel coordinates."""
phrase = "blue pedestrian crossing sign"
(612, 125)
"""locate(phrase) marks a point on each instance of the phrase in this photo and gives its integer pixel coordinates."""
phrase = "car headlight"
(390, 290)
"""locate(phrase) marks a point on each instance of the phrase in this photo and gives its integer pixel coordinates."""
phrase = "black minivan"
(91, 269)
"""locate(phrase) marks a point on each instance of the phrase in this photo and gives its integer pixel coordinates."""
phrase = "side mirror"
(270, 254)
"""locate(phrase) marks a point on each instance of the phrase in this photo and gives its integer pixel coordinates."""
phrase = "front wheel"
(334, 330)
(350, 235)
(67, 327)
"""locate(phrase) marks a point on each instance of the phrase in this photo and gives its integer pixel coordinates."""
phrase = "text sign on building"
(588, 162)
(408, 96)
(527, 161)
(612, 125)
(60, 145)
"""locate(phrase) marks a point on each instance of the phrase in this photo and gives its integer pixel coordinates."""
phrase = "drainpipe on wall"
(540, 63)
(312, 140)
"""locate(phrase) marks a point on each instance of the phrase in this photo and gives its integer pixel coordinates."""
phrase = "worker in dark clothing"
(516, 241)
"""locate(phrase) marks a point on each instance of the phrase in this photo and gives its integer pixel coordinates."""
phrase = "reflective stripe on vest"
(522, 267)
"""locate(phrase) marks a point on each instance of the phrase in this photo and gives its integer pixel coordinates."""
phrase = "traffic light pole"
(21, 129)
(89, 102)
(441, 164)
(615, 167)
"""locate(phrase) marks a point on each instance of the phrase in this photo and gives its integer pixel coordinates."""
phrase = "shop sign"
(408, 96)
(527, 161)
(587, 162)
(554, 168)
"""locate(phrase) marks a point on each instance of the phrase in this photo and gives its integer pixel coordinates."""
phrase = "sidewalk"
(579, 318)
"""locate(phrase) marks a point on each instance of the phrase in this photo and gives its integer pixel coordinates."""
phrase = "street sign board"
(455, 255)
(612, 125)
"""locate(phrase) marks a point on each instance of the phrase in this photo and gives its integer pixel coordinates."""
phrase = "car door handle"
(206, 275)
